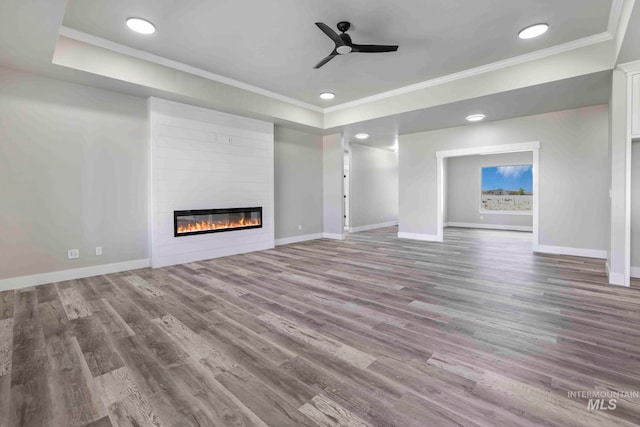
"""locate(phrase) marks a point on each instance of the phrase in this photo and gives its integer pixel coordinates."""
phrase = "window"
(507, 189)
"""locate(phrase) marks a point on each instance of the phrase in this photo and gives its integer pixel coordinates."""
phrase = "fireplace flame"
(217, 225)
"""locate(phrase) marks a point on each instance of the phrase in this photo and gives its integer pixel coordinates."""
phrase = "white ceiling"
(275, 44)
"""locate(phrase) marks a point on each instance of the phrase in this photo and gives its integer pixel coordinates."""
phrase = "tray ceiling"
(274, 45)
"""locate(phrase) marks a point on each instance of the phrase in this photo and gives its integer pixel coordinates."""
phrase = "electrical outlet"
(98, 250)
(299, 226)
(73, 253)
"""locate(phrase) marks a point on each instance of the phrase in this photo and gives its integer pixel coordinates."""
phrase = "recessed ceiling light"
(533, 31)
(475, 117)
(327, 95)
(141, 26)
(362, 135)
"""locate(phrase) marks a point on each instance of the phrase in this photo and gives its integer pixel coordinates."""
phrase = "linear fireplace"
(186, 223)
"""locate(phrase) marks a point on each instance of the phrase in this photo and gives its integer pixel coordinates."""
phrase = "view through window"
(507, 189)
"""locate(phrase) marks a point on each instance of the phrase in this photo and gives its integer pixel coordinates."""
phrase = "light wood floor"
(370, 331)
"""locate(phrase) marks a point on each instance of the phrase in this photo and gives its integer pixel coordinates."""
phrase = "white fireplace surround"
(205, 159)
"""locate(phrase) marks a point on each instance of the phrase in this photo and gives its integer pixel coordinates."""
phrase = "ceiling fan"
(344, 45)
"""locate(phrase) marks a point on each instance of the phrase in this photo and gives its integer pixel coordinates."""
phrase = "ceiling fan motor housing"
(342, 50)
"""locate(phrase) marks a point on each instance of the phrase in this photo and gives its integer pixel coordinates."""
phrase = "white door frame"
(534, 147)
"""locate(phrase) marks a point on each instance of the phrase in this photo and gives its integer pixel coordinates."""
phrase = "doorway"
(533, 147)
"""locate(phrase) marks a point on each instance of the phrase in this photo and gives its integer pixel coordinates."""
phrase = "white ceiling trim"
(614, 16)
(543, 53)
(630, 67)
(624, 17)
(146, 56)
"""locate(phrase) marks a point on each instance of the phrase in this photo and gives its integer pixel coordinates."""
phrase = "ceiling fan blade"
(330, 33)
(327, 59)
(373, 48)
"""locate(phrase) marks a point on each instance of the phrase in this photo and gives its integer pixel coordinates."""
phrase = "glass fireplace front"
(186, 223)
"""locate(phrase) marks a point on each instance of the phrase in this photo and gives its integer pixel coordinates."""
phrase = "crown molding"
(614, 16)
(539, 54)
(630, 67)
(146, 56)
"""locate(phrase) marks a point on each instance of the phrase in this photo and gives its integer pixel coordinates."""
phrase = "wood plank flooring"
(371, 331)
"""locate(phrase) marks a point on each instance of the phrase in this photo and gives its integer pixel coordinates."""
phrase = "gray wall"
(635, 205)
(374, 186)
(333, 177)
(463, 193)
(573, 172)
(298, 183)
(73, 175)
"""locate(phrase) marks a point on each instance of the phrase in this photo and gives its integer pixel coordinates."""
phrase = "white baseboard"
(618, 279)
(76, 273)
(559, 250)
(297, 239)
(333, 236)
(635, 272)
(422, 237)
(489, 226)
(372, 226)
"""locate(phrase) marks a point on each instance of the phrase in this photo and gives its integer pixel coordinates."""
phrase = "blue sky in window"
(508, 178)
